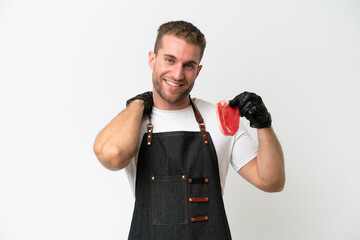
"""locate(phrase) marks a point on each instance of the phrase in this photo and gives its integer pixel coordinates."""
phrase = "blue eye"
(189, 66)
(169, 60)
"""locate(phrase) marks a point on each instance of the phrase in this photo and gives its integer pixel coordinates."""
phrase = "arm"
(266, 171)
(116, 144)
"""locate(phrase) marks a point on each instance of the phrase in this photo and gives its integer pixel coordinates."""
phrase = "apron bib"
(178, 191)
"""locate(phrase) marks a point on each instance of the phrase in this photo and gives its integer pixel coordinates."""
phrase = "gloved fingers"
(234, 102)
(147, 95)
(147, 110)
(257, 110)
(237, 101)
(244, 111)
(147, 101)
(246, 97)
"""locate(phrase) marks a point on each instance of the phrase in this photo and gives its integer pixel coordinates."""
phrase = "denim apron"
(178, 191)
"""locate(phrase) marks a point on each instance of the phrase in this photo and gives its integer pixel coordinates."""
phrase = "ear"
(152, 57)
(198, 70)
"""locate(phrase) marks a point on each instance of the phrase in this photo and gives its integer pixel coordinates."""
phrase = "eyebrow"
(172, 56)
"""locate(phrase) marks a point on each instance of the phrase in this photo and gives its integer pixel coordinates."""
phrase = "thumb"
(234, 103)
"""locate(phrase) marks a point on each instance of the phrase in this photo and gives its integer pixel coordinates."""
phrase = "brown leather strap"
(198, 199)
(149, 131)
(200, 121)
(199, 218)
(198, 116)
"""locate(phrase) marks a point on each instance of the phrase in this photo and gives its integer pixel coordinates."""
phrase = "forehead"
(178, 47)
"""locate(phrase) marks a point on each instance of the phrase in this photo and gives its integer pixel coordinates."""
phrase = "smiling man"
(175, 67)
(173, 151)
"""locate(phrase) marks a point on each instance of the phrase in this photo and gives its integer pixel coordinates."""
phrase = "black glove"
(148, 101)
(252, 107)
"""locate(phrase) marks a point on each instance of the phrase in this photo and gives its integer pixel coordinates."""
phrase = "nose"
(178, 72)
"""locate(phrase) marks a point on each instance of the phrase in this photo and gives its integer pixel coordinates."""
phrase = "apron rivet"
(152, 178)
(190, 199)
(149, 143)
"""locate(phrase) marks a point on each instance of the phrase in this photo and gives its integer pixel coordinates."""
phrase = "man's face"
(175, 68)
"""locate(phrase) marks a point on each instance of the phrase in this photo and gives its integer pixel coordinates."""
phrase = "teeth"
(173, 84)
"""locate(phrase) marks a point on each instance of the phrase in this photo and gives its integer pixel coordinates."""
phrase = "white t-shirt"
(237, 150)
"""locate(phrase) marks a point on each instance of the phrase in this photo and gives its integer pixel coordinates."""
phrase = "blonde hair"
(181, 29)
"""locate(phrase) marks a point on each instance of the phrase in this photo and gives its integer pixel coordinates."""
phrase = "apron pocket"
(169, 200)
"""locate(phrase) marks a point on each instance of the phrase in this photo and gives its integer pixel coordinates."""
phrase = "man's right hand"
(148, 101)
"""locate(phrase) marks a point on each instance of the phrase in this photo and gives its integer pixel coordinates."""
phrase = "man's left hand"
(253, 109)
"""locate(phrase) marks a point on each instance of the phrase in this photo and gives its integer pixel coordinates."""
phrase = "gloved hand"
(148, 101)
(252, 107)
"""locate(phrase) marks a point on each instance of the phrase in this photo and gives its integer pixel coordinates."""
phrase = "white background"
(67, 67)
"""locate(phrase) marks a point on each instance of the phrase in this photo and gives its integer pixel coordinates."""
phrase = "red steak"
(228, 118)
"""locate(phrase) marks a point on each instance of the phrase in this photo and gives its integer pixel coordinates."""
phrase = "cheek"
(191, 76)
(160, 69)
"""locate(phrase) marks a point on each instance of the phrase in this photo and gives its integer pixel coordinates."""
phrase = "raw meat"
(228, 118)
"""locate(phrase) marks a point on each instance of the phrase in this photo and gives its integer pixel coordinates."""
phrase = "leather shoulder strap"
(200, 121)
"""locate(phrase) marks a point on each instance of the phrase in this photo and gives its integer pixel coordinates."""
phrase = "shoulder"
(205, 108)
(203, 104)
(208, 112)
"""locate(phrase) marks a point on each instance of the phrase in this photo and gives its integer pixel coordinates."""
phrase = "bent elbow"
(277, 188)
(274, 187)
(111, 158)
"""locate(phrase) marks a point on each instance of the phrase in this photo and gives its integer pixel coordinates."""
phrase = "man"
(174, 153)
